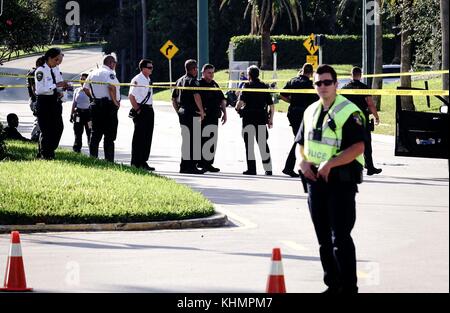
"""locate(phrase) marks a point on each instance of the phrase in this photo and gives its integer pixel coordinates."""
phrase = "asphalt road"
(401, 233)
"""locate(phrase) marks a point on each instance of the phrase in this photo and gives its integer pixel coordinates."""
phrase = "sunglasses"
(326, 82)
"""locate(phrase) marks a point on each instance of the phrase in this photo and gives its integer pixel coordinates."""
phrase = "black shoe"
(268, 173)
(147, 168)
(372, 171)
(194, 171)
(210, 168)
(249, 173)
(290, 173)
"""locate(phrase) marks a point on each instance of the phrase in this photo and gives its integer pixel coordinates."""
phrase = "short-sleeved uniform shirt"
(186, 97)
(359, 100)
(211, 99)
(140, 89)
(103, 74)
(255, 102)
(300, 100)
(81, 99)
(44, 81)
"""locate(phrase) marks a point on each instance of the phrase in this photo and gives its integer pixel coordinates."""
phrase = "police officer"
(49, 108)
(81, 115)
(331, 140)
(298, 104)
(214, 105)
(31, 86)
(106, 103)
(253, 108)
(365, 103)
(141, 98)
(188, 105)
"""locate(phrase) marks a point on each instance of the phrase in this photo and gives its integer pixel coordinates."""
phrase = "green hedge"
(346, 49)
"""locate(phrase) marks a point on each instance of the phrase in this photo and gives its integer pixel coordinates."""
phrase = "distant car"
(422, 134)
(391, 69)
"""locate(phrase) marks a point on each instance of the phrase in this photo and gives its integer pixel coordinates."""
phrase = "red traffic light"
(9, 22)
(274, 47)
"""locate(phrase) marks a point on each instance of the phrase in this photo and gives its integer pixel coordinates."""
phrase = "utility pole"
(368, 60)
(202, 33)
(144, 28)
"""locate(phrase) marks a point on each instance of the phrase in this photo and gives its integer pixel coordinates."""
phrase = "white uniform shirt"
(81, 99)
(103, 75)
(58, 74)
(140, 93)
(43, 79)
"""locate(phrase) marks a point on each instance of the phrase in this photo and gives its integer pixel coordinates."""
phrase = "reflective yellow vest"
(329, 146)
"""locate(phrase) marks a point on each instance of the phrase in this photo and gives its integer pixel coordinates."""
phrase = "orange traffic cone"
(15, 273)
(275, 282)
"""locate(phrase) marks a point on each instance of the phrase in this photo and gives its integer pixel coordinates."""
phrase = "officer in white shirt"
(81, 116)
(48, 107)
(141, 98)
(106, 103)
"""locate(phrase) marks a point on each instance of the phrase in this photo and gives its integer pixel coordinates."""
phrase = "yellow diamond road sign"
(169, 50)
(309, 44)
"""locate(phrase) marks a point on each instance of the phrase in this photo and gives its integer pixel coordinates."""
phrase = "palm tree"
(264, 16)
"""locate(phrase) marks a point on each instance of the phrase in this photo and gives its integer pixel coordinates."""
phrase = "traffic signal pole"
(202, 33)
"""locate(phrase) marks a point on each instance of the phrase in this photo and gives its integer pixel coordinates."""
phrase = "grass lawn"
(78, 189)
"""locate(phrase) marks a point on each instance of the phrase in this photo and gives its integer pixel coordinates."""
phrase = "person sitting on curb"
(11, 131)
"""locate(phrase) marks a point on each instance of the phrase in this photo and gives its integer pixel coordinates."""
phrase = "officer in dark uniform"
(31, 86)
(189, 107)
(365, 103)
(256, 110)
(104, 107)
(331, 140)
(214, 104)
(49, 108)
(298, 104)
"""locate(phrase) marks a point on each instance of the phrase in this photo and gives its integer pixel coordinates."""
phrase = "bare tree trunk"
(378, 66)
(266, 50)
(445, 34)
(406, 56)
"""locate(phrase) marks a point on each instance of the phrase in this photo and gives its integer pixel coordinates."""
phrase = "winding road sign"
(169, 50)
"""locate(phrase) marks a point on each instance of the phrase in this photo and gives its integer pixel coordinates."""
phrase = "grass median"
(76, 189)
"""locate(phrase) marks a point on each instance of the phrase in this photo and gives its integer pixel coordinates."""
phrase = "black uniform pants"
(191, 140)
(251, 131)
(104, 124)
(81, 123)
(333, 212)
(210, 134)
(144, 124)
(295, 117)
(368, 148)
(49, 110)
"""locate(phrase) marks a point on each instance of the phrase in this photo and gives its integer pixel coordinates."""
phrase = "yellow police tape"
(373, 92)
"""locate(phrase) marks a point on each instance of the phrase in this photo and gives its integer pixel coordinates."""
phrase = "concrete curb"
(217, 220)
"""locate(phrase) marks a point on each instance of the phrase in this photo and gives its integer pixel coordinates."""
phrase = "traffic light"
(320, 40)
(274, 47)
